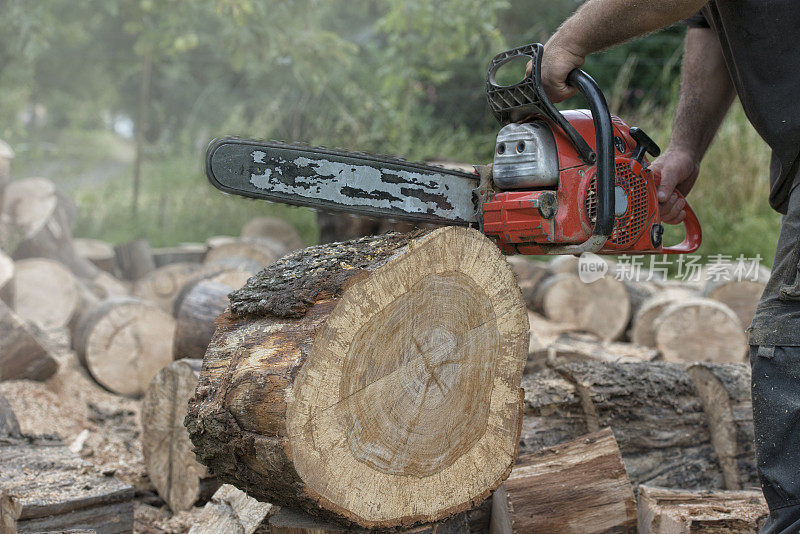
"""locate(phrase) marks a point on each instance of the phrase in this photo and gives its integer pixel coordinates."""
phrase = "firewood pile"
(406, 382)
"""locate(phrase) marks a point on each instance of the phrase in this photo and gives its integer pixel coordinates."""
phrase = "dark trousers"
(776, 418)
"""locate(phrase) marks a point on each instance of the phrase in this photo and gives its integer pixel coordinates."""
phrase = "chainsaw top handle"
(511, 103)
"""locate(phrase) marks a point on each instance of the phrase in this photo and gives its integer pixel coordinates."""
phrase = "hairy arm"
(706, 95)
(599, 24)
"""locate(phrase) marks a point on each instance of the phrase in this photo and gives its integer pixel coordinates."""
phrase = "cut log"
(135, 259)
(529, 274)
(665, 511)
(6, 278)
(288, 521)
(652, 407)
(163, 285)
(724, 389)
(168, 454)
(642, 330)
(252, 254)
(231, 510)
(45, 488)
(124, 342)
(740, 294)
(199, 307)
(45, 293)
(36, 219)
(9, 426)
(98, 252)
(106, 286)
(22, 356)
(184, 253)
(577, 487)
(273, 228)
(601, 307)
(576, 347)
(700, 329)
(339, 364)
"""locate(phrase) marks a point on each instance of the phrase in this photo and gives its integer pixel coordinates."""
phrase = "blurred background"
(116, 100)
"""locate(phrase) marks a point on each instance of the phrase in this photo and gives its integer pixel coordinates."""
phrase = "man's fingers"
(529, 68)
(667, 185)
(673, 212)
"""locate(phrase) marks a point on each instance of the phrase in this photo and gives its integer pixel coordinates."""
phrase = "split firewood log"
(724, 389)
(578, 487)
(356, 380)
(273, 228)
(100, 253)
(700, 329)
(671, 511)
(231, 510)
(124, 342)
(642, 331)
(135, 259)
(168, 456)
(251, 254)
(162, 285)
(601, 307)
(183, 253)
(35, 221)
(740, 294)
(21, 353)
(46, 293)
(652, 407)
(6, 278)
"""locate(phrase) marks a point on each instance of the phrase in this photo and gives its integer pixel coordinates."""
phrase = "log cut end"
(380, 376)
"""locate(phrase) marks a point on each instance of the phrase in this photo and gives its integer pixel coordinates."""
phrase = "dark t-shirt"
(760, 43)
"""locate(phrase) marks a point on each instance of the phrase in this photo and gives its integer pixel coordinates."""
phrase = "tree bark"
(124, 342)
(700, 330)
(203, 302)
(135, 259)
(724, 389)
(374, 381)
(578, 487)
(68, 494)
(168, 454)
(22, 356)
(653, 409)
(664, 511)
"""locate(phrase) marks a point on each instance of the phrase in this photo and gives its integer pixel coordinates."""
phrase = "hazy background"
(98, 95)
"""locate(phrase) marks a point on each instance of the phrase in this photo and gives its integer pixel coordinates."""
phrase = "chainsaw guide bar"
(332, 180)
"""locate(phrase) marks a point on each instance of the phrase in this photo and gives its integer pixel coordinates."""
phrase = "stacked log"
(163, 285)
(100, 253)
(124, 342)
(652, 407)
(326, 385)
(251, 254)
(642, 330)
(135, 259)
(725, 392)
(200, 305)
(179, 479)
(184, 253)
(740, 293)
(579, 487)
(273, 228)
(22, 355)
(46, 293)
(669, 511)
(6, 157)
(6, 278)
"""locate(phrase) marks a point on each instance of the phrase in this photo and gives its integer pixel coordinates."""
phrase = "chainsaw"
(560, 183)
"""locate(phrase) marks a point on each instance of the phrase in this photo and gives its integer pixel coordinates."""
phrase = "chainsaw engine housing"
(563, 211)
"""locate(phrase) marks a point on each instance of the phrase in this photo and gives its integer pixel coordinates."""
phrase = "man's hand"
(679, 171)
(557, 63)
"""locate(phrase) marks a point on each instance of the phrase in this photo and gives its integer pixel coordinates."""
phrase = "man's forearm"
(706, 94)
(599, 24)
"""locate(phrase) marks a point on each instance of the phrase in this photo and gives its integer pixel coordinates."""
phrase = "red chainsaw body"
(518, 225)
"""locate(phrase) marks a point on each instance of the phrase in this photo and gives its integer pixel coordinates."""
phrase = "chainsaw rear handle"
(513, 102)
(694, 235)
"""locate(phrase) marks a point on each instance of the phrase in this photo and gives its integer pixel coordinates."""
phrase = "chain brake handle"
(511, 103)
